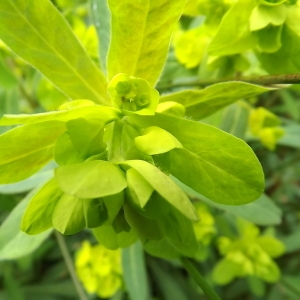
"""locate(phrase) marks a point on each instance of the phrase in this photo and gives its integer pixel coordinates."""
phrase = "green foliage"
(84, 79)
(129, 160)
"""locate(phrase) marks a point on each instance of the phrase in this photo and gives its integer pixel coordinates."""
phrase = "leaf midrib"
(57, 53)
(14, 159)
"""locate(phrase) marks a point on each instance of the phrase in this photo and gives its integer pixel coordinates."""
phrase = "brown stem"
(262, 80)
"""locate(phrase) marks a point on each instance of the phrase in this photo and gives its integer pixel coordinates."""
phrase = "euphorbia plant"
(117, 141)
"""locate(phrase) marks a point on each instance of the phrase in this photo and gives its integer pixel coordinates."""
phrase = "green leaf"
(38, 215)
(13, 242)
(106, 236)
(145, 228)
(91, 179)
(180, 232)
(68, 217)
(269, 39)
(155, 140)
(7, 79)
(234, 119)
(113, 204)
(135, 273)
(29, 183)
(26, 149)
(65, 152)
(141, 32)
(139, 188)
(87, 138)
(203, 103)
(234, 35)
(101, 114)
(263, 15)
(287, 55)
(162, 248)
(262, 212)
(95, 212)
(165, 187)
(101, 19)
(57, 54)
(214, 163)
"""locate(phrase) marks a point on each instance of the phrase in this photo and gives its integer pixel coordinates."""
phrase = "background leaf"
(262, 212)
(30, 148)
(101, 18)
(141, 32)
(13, 242)
(135, 273)
(203, 103)
(31, 23)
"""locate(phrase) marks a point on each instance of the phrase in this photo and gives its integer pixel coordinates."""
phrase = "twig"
(68, 260)
(263, 80)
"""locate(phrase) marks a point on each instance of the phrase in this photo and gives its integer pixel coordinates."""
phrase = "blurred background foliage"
(247, 252)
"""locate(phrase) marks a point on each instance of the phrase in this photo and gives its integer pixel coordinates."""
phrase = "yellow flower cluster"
(205, 230)
(265, 125)
(249, 255)
(99, 269)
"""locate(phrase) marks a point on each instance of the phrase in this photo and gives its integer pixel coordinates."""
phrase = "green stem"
(192, 270)
(68, 260)
(263, 80)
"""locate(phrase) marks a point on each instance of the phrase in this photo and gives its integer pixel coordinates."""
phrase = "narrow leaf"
(13, 242)
(203, 103)
(135, 273)
(101, 19)
(141, 32)
(26, 149)
(102, 114)
(54, 50)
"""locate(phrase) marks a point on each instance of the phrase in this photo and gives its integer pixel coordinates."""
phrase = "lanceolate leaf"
(101, 17)
(91, 179)
(37, 32)
(141, 32)
(202, 103)
(25, 149)
(101, 114)
(38, 215)
(214, 163)
(13, 242)
(135, 273)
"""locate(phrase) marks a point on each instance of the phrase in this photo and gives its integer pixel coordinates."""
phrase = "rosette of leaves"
(115, 149)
